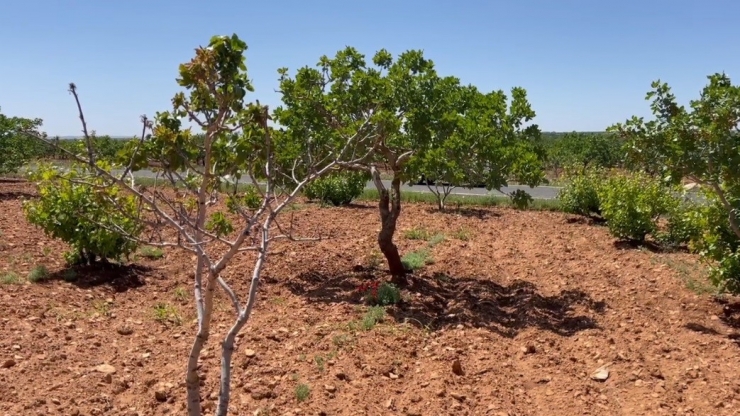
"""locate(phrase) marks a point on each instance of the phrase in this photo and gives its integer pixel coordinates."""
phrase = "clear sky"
(585, 63)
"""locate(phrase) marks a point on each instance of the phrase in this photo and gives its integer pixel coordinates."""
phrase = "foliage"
(478, 139)
(416, 260)
(700, 143)
(584, 151)
(15, 148)
(520, 199)
(632, 205)
(377, 293)
(411, 118)
(683, 224)
(38, 274)
(338, 188)
(83, 211)
(718, 245)
(580, 195)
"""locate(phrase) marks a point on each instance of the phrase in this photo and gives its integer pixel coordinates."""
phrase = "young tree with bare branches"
(237, 144)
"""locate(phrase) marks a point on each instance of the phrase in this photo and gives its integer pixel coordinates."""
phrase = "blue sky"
(585, 63)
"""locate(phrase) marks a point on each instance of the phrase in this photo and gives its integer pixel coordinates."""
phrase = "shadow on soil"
(120, 278)
(16, 195)
(730, 316)
(437, 302)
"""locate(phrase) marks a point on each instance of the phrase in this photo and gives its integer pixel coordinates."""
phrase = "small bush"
(302, 392)
(38, 274)
(632, 205)
(373, 316)
(520, 199)
(376, 293)
(87, 217)
(417, 234)
(338, 188)
(684, 225)
(718, 245)
(151, 253)
(580, 195)
(417, 260)
(10, 278)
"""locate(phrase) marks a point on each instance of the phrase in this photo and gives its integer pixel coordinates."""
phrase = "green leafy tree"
(700, 143)
(409, 111)
(81, 209)
(236, 143)
(585, 150)
(478, 139)
(16, 149)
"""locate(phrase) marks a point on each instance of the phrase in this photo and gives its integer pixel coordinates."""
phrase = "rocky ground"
(518, 313)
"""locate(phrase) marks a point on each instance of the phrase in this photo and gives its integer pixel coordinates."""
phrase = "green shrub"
(87, 217)
(382, 294)
(580, 195)
(683, 226)
(337, 188)
(718, 245)
(632, 205)
(520, 199)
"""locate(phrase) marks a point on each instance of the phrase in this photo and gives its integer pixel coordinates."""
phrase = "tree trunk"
(390, 209)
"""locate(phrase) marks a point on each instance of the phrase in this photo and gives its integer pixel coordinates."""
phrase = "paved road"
(540, 192)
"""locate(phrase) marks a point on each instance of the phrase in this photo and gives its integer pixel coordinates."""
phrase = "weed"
(377, 293)
(374, 260)
(417, 234)
(373, 316)
(69, 275)
(416, 260)
(441, 277)
(181, 295)
(302, 392)
(320, 362)
(342, 341)
(278, 301)
(38, 274)
(151, 253)
(10, 278)
(164, 313)
(302, 357)
(436, 239)
(47, 251)
(102, 308)
(462, 234)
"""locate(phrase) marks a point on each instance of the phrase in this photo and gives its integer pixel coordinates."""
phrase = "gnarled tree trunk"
(390, 210)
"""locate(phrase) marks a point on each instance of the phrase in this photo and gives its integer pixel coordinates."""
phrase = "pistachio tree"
(700, 143)
(15, 148)
(236, 143)
(394, 99)
(478, 139)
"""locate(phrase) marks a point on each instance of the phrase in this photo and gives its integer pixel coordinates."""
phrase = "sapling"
(237, 144)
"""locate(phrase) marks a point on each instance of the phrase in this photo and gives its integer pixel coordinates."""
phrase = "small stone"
(108, 378)
(249, 353)
(457, 368)
(16, 347)
(458, 396)
(125, 330)
(105, 369)
(600, 374)
(330, 388)
(529, 349)
(160, 394)
(56, 401)
(9, 363)
(440, 392)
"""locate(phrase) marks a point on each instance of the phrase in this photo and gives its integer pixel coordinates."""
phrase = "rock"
(529, 349)
(249, 353)
(105, 369)
(9, 363)
(600, 374)
(330, 388)
(108, 378)
(16, 347)
(160, 394)
(458, 396)
(56, 401)
(341, 376)
(125, 330)
(457, 368)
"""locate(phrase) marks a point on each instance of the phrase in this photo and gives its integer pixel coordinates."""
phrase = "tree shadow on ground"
(120, 278)
(15, 195)
(650, 246)
(437, 302)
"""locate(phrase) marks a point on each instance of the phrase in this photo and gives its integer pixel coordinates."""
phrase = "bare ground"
(531, 304)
